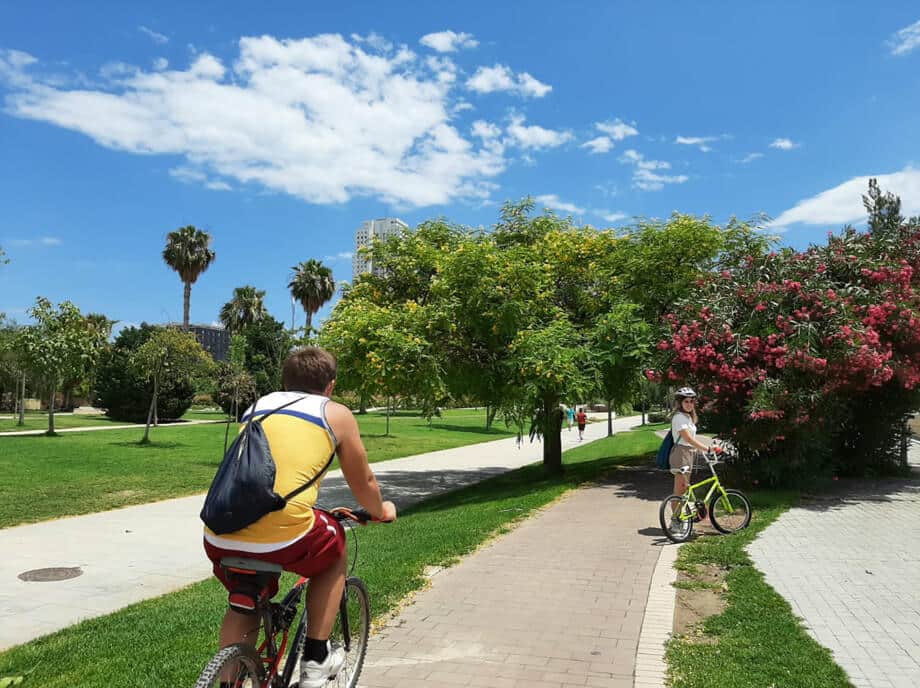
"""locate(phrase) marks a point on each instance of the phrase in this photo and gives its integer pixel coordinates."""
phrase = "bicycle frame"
(690, 494)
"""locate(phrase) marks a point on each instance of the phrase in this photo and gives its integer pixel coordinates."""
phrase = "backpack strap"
(252, 416)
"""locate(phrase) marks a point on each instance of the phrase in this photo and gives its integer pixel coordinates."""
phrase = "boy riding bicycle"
(299, 537)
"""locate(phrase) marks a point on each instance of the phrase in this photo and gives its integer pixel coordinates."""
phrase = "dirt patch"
(124, 494)
(699, 595)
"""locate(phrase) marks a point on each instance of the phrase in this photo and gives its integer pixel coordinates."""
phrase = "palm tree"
(245, 308)
(188, 252)
(313, 286)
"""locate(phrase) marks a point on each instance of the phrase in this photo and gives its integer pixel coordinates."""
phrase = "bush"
(657, 417)
(809, 360)
(125, 395)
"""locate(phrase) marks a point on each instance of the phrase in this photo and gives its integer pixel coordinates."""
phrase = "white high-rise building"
(367, 232)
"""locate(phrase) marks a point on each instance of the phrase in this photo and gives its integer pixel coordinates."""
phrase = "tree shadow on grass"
(481, 430)
(448, 488)
(155, 444)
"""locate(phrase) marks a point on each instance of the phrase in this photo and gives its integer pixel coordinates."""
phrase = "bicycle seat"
(251, 579)
(250, 566)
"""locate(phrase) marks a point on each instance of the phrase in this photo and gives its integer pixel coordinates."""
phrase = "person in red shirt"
(582, 419)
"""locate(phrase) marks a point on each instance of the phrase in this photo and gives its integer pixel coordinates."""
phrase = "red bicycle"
(261, 667)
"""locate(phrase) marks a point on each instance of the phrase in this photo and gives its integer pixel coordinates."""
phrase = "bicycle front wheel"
(351, 630)
(238, 665)
(730, 512)
(675, 518)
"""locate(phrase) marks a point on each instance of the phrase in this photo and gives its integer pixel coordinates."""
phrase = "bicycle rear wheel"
(351, 631)
(731, 512)
(237, 663)
(675, 519)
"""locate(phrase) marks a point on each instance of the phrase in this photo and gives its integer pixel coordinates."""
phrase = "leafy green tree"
(268, 344)
(312, 286)
(622, 342)
(57, 347)
(167, 352)
(125, 393)
(188, 252)
(236, 388)
(245, 308)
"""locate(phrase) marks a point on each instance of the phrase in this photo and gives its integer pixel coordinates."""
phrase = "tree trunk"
(552, 437)
(22, 402)
(51, 411)
(186, 304)
(309, 322)
(388, 417)
(153, 404)
(362, 404)
(609, 418)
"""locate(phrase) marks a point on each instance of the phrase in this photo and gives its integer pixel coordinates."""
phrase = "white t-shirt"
(681, 421)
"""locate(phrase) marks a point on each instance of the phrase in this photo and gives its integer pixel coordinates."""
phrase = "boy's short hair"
(309, 369)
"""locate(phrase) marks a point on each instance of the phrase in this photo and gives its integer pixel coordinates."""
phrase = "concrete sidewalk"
(94, 428)
(854, 576)
(538, 607)
(131, 554)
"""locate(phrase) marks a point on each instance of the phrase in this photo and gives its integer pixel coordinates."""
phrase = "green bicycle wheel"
(731, 512)
(675, 519)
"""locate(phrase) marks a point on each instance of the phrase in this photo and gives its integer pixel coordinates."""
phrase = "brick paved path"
(849, 565)
(557, 602)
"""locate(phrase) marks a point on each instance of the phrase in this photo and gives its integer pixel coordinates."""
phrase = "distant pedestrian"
(570, 416)
(582, 419)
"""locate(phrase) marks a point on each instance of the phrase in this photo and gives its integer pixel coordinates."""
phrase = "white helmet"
(685, 393)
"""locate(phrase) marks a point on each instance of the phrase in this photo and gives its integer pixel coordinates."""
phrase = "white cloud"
(448, 41)
(343, 255)
(501, 78)
(160, 64)
(843, 203)
(701, 141)
(157, 38)
(191, 175)
(617, 129)
(601, 144)
(611, 217)
(534, 136)
(553, 201)
(905, 40)
(750, 157)
(784, 144)
(40, 241)
(320, 118)
(644, 176)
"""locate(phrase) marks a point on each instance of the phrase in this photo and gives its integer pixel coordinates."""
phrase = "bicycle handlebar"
(362, 516)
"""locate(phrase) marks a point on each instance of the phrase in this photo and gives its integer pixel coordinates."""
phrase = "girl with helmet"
(683, 431)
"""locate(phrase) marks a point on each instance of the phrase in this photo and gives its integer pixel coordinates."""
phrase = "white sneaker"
(317, 674)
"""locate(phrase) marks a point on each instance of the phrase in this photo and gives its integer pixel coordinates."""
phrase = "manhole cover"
(48, 575)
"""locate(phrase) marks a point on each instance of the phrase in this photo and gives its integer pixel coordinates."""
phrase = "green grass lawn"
(79, 473)
(757, 640)
(167, 640)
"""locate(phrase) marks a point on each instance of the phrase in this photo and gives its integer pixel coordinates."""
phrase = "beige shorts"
(681, 455)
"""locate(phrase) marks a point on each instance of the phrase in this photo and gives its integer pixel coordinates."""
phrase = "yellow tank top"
(301, 443)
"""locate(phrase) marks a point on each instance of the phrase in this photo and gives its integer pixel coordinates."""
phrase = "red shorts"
(310, 555)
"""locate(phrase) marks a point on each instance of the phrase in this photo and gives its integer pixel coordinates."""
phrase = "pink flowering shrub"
(808, 360)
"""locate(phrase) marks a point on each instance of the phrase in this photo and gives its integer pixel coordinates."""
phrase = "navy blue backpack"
(664, 451)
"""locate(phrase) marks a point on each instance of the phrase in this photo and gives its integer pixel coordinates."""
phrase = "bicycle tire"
(358, 606)
(741, 512)
(242, 653)
(667, 521)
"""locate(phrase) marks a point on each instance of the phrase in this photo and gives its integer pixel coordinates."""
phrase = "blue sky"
(279, 127)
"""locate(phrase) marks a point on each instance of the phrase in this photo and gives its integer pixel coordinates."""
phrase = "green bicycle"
(728, 510)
